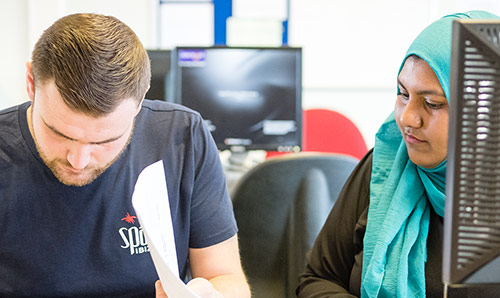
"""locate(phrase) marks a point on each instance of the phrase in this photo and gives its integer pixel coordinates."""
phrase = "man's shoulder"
(10, 121)
(10, 111)
(162, 107)
(13, 148)
(160, 120)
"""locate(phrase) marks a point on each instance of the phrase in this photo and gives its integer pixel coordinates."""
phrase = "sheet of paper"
(151, 204)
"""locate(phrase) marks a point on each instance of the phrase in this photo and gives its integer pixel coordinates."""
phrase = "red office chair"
(329, 131)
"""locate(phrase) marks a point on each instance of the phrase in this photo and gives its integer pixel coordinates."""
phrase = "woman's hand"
(199, 286)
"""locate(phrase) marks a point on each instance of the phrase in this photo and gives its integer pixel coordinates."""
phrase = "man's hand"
(217, 272)
(160, 293)
(199, 286)
(203, 288)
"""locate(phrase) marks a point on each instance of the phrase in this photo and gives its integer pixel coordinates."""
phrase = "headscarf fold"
(402, 193)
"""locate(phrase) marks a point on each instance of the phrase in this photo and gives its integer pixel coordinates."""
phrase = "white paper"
(151, 204)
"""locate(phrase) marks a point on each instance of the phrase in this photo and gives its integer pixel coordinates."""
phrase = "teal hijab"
(402, 193)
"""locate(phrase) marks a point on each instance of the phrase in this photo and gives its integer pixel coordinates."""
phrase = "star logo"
(129, 218)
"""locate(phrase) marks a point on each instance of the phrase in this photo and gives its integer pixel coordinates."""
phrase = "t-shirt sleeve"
(212, 217)
(330, 262)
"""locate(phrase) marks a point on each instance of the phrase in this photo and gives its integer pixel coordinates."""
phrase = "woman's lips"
(410, 138)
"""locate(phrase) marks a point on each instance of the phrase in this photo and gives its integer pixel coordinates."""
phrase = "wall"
(352, 51)
(352, 48)
(138, 14)
(23, 21)
(14, 51)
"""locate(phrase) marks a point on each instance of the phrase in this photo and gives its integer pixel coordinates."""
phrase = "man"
(69, 161)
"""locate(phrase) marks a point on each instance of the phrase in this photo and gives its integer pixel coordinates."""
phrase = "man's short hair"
(96, 62)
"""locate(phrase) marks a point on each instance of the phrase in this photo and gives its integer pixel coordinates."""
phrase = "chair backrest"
(325, 130)
(280, 206)
(329, 131)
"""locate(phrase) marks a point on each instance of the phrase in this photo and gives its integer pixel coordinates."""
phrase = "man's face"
(77, 148)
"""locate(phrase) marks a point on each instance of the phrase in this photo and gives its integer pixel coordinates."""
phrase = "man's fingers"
(160, 293)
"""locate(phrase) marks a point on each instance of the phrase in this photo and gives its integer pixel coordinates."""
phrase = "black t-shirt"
(65, 241)
(334, 264)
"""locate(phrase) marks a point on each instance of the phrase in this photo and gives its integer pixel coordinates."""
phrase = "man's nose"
(79, 156)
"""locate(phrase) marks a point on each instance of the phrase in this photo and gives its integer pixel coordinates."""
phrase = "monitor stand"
(234, 167)
(238, 162)
(237, 159)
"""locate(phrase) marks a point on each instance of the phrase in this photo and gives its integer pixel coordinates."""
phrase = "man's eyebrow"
(424, 92)
(54, 130)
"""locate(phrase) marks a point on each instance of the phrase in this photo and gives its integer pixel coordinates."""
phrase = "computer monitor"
(250, 97)
(160, 74)
(471, 252)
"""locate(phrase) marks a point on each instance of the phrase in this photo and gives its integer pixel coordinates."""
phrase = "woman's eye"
(433, 106)
(403, 95)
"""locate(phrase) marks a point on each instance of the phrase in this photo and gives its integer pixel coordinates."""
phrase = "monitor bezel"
(451, 275)
(177, 96)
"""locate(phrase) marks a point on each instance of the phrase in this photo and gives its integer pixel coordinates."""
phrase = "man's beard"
(88, 174)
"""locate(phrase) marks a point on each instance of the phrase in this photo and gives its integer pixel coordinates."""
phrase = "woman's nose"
(411, 116)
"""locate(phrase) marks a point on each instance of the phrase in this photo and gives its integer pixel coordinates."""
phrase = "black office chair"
(280, 206)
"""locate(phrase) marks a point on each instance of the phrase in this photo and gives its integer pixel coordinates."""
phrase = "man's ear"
(30, 82)
(139, 106)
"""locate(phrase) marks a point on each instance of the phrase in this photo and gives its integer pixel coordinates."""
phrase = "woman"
(383, 238)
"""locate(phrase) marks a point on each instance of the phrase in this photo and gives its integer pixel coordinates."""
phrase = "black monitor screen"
(160, 69)
(471, 253)
(249, 97)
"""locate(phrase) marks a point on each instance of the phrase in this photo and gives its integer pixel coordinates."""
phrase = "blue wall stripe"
(285, 32)
(223, 9)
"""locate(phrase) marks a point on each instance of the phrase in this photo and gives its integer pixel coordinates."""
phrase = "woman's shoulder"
(358, 183)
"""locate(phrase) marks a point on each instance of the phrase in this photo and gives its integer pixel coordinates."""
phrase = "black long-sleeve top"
(334, 264)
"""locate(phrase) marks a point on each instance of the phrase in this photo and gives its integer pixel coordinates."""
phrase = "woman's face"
(422, 113)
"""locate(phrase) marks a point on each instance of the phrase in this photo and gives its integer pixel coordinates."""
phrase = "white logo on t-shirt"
(133, 237)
